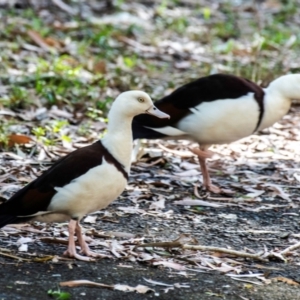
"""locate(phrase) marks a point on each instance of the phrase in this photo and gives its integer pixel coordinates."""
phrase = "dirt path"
(42, 277)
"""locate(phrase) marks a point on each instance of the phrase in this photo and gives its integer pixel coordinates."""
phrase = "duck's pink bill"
(154, 111)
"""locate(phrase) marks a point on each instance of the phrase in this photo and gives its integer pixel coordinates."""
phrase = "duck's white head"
(287, 85)
(132, 103)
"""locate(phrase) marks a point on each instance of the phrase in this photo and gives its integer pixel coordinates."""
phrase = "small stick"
(290, 248)
(160, 244)
(183, 154)
(224, 250)
(75, 283)
(13, 256)
(178, 244)
(64, 6)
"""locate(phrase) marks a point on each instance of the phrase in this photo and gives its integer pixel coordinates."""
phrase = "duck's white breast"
(222, 121)
(276, 106)
(90, 192)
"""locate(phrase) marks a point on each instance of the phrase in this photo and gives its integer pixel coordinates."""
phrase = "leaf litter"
(152, 200)
(262, 170)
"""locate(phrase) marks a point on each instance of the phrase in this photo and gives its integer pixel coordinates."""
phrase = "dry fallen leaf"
(131, 210)
(115, 248)
(90, 219)
(192, 202)
(100, 67)
(18, 139)
(181, 285)
(170, 264)
(40, 41)
(75, 283)
(121, 234)
(228, 216)
(167, 289)
(23, 248)
(157, 205)
(278, 191)
(157, 282)
(62, 5)
(21, 282)
(141, 289)
(24, 240)
(286, 280)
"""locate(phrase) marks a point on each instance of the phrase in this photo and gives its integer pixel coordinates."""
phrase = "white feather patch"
(90, 192)
(221, 121)
(169, 131)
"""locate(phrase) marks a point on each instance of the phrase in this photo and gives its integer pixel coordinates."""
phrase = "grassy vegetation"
(79, 63)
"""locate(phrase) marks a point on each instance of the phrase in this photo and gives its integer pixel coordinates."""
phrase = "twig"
(196, 192)
(40, 41)
(248, 281)
(183, 154)
(64, 7)
(173, 244)
(5, 250)
(75, 283)
(243, 298)
(13, 256)
(178, 244)
(223, 250)
(137, 45)
(145, 165)
(290, 248)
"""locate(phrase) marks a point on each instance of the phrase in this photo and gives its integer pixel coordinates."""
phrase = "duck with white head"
(218, 109)
(85, 180)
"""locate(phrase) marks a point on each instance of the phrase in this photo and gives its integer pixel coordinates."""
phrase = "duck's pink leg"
(71, 251)
(203, 153)
(84, 246)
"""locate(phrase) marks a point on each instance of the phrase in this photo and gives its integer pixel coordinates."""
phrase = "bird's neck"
(118, 139)
(277, 101)
(287, 86)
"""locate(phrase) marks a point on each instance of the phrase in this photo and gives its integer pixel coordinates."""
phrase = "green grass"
(92, 64)
(51, 133)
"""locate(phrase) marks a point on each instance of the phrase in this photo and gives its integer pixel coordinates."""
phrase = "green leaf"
(206, 13)
(59, 295)
(66, 138)
(38, 131)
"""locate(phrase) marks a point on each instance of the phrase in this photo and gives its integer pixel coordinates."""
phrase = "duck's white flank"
(90, 192)
(216, 122)
(222, 121)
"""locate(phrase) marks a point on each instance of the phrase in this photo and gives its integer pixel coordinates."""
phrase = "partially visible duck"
(218, 109)
(85, 180)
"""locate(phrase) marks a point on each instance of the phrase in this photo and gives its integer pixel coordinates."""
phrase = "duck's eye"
(141, 100)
